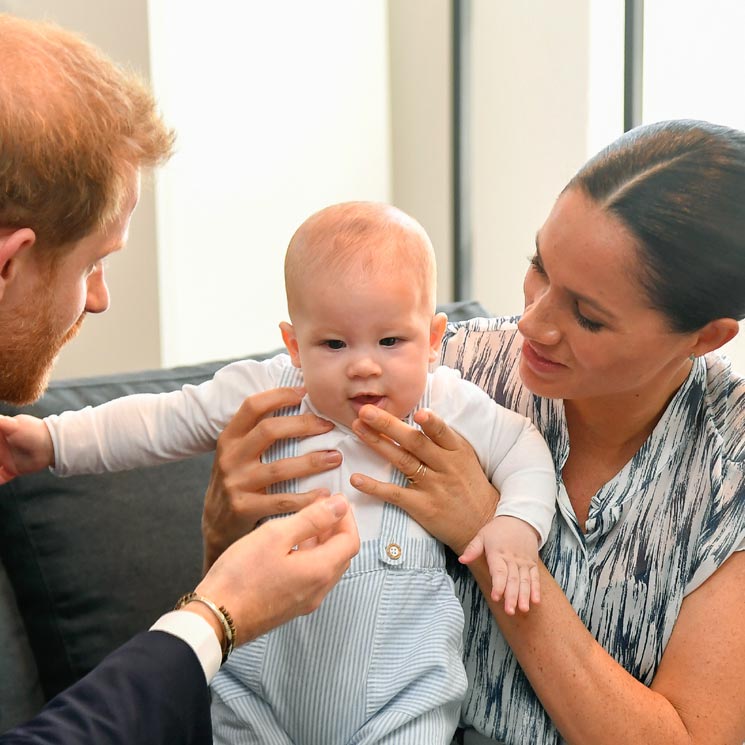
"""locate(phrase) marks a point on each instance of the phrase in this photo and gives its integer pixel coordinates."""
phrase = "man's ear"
(12, 244)
(714, 335)
(436, 332)
(290, 340)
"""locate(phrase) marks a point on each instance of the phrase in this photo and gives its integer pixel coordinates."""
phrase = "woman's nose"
(538, 321)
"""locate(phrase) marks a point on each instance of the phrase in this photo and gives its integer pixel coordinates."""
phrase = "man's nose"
(97, 298)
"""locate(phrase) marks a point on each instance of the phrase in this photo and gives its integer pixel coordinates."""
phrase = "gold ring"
(418, 475)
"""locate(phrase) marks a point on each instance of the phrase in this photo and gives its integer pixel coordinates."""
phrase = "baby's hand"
(25, 446)
(511, 548)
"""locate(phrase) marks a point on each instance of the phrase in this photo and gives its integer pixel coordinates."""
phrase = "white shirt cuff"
(198, 634)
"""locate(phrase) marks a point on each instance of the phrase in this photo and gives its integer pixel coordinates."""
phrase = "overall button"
(394, 551)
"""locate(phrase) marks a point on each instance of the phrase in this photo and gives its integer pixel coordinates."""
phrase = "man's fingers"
(315, 519)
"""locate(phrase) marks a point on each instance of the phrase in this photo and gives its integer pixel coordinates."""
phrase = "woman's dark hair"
(679, 187)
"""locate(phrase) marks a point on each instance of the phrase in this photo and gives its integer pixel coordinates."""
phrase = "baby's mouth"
(364, 399)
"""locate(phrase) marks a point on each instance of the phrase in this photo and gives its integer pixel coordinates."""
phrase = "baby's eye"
(388, 341)
(334, 344)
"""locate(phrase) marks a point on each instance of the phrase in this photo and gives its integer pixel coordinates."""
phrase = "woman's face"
(588, 328)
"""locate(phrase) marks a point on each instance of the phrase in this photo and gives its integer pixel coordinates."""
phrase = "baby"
(380, 660)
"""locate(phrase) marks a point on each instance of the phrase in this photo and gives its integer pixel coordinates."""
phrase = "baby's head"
(360, 280)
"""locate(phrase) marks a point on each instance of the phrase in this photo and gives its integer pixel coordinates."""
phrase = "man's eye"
(388, 341)
(334, 344)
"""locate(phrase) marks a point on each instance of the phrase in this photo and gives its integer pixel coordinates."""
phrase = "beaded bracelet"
(222, 615)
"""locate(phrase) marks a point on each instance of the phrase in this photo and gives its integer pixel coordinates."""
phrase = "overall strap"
(394, 546)
(291, 376)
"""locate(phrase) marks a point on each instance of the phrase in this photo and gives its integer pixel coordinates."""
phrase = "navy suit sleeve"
(150, 691)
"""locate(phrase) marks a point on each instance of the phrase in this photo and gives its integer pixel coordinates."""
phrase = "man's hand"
(264, 582)
(25, 446)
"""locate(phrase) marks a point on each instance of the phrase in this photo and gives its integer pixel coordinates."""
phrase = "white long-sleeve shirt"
(147, 429)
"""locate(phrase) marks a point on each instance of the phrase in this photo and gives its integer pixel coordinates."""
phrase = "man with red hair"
(75, 133)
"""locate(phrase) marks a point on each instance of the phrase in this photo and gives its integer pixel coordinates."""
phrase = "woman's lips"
(537, 362)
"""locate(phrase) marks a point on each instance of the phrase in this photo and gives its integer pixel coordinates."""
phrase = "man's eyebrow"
(598, 306)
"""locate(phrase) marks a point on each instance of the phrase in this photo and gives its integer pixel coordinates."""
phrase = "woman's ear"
(290, 340)
(714, 335)
(436, 332)
(12, 245)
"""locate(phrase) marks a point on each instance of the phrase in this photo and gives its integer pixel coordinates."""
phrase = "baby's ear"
(290, 340)
(436, 332)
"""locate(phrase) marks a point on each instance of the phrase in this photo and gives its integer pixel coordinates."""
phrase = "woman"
(638, 276)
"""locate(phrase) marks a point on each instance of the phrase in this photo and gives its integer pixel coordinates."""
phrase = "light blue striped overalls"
(379, 662)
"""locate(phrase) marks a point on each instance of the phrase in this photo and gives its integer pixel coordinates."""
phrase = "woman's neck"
(616, 423)
(606, 433)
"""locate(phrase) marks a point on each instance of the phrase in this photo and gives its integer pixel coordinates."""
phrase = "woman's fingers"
(436, 430)
(387, 491)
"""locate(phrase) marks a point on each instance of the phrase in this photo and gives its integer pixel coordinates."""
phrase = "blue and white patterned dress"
(655, 532)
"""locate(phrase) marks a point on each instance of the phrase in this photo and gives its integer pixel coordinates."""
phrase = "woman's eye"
(536, 265)
(586, 323)
(334, 344)
(388, 341)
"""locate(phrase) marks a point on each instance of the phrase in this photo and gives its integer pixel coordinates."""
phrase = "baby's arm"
(511, 548)
(518, 462)
(147, 429)
(25, 446)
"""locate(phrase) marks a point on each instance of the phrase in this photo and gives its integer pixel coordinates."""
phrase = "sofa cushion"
(95, 559)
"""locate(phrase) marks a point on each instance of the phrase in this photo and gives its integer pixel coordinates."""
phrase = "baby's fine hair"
(358, 239)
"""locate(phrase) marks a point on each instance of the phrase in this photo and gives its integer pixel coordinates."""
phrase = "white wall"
(281, 108)
(420, 53)
(530, 97)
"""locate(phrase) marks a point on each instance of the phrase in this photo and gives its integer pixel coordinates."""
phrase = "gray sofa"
(89, 561)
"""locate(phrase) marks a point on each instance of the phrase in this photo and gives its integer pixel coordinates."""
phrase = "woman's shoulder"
(490, 337)
(485, 351)
(725, 403)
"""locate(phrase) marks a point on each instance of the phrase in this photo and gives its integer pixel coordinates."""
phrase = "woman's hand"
(236, 497)
(449, 494)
